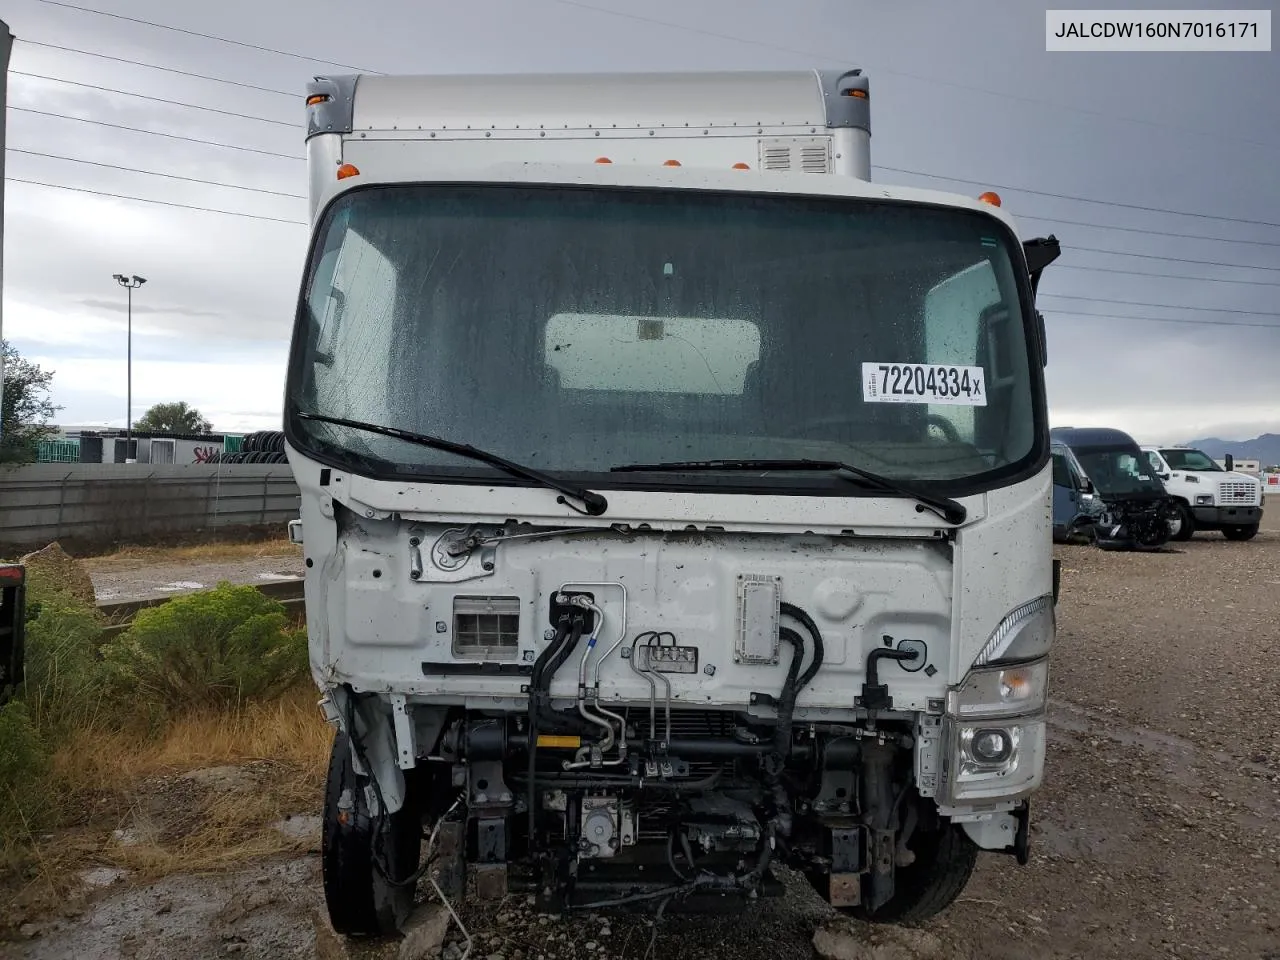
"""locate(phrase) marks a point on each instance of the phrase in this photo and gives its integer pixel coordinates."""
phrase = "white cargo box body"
(811, 121)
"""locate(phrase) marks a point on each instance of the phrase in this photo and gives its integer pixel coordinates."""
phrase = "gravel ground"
(1157, 834)
(119, 580)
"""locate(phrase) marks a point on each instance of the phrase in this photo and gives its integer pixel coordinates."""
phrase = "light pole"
(129, 283)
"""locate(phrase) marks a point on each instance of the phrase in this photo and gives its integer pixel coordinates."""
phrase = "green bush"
(64, 670)
(25, 799)
(216, 647)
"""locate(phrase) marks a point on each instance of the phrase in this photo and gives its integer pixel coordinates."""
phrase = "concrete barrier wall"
(90, 502)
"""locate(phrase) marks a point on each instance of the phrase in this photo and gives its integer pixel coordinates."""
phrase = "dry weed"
(201, 553)
(275, 755)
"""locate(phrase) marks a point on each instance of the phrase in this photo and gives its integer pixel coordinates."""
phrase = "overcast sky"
(958, 90)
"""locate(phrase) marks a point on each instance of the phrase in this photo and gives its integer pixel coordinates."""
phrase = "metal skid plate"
(758, 614)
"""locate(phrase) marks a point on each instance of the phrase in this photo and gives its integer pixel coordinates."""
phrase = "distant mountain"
(1265, 448)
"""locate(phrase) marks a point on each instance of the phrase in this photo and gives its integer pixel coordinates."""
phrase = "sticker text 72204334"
(941, 383)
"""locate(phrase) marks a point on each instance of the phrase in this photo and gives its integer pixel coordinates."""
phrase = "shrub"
(25, 800)
(64, 671)
(216, 647)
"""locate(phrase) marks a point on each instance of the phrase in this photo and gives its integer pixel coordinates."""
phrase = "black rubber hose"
(535, 699)
(791, 610)
(790, 690)
(545, 713)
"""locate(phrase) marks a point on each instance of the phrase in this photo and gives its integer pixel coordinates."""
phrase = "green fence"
(58, 451)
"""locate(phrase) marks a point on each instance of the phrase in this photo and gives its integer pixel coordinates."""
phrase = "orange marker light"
(860, 94)
(741, 166)
(671, 163)
(348, 170)
(316, 98)
(603, 160)
(990, 197)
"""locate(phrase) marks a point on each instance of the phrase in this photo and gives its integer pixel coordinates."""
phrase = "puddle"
(182, 585)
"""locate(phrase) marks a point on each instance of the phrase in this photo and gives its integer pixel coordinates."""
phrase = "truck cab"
(1208, 496)
(673, 497)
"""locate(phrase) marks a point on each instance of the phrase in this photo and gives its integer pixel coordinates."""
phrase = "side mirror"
(1086, 485)
(1163, 476)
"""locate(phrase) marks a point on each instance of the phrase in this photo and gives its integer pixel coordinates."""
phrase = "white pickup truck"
(1209, 497)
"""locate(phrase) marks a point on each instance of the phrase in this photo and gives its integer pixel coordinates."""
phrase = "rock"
(299, 826)
(226, 778)
(424, 933)
(54, 574)
(452, 952)
(841, 941)
(28, 931)
(101, 876)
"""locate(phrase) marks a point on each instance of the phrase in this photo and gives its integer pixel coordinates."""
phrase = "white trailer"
(675, 500)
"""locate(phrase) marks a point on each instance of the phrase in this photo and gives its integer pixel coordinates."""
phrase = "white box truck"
(1208, 496)
(675, 500)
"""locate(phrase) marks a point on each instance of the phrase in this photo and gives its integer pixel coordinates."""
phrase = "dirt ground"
(1157, 834)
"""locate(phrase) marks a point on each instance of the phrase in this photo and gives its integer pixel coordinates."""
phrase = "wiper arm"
(593, 504)
(950, 510)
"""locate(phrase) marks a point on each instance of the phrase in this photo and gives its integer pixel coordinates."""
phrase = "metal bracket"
(406, 741)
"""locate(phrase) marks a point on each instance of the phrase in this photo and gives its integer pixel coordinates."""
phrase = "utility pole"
(130, 284)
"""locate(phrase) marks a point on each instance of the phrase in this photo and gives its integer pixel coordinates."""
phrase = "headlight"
(993, 762)
(1001, 691)
(1204, 500)
(1025, 634)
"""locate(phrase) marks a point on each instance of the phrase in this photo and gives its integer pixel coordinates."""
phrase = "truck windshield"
(578, 329)
(1192, 460)
(1119, 471)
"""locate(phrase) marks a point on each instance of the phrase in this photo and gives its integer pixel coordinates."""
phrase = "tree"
(25, 410)
(173, 418)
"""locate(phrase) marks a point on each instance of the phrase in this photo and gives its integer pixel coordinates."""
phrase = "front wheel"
(1237, 532)
(944, 861)
(356, 863)
(1187, 523)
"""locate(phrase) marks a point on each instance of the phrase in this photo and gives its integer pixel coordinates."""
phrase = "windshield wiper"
(594, 503)
(950, 510)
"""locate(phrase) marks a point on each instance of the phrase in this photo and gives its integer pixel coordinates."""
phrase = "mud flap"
(12, 629)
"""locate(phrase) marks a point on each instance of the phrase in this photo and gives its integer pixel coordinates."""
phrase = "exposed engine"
(1136, 522)
(593, 807)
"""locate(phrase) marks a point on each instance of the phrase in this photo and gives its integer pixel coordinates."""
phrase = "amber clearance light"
(990, 197)
(348, 170)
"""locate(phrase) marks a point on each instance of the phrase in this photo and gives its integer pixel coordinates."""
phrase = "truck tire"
(1238, 532)
(1187, 519)
(360, 900)
(944, 862)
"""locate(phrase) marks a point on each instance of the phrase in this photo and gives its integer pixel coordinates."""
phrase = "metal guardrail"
(120, 613)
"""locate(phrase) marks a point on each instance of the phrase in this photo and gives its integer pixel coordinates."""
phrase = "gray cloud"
(1161, 130)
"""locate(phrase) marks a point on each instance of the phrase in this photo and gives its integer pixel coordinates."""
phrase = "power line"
(932, 81)
(1151, 233)
(159, 133)
(163, 203)
(1166, 276)
(1193, 323)
(143, 96)
(1162, 306)
(203, 36)
(1066, 196)
(1152, 256)
(155, 173)
(156, 66)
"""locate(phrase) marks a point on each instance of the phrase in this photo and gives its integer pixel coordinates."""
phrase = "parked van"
(1076, 506)
(1136, 511)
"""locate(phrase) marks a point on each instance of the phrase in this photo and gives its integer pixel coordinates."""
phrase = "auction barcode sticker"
(941, 383)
